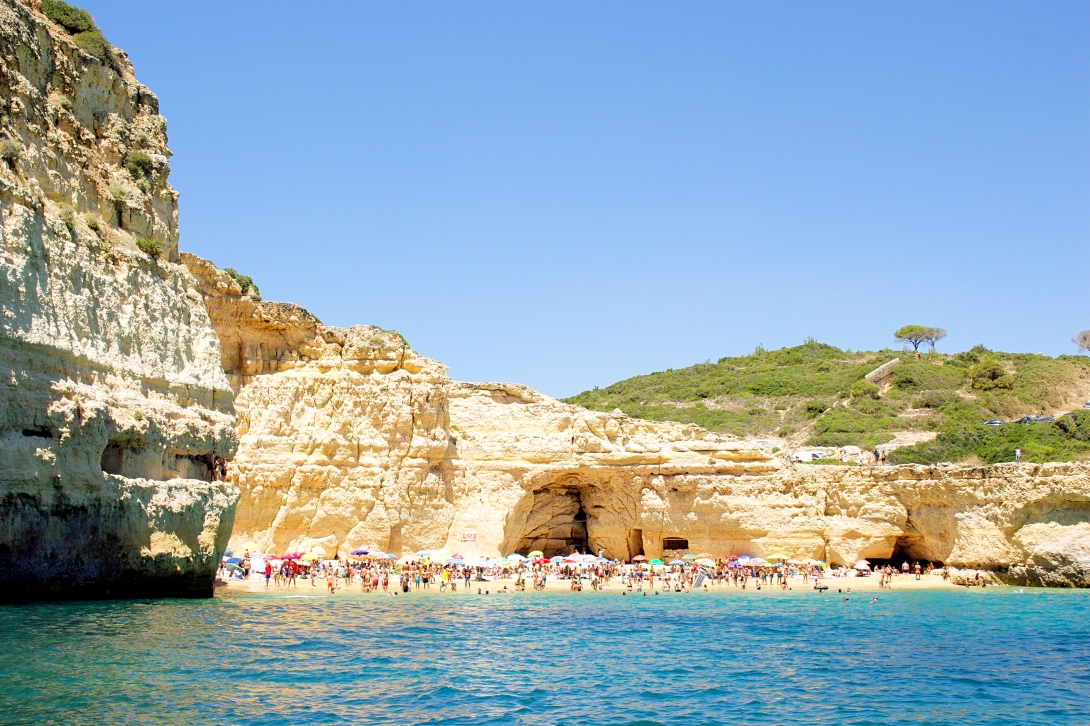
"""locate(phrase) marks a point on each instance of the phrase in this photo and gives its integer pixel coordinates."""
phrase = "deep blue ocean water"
(992, 656)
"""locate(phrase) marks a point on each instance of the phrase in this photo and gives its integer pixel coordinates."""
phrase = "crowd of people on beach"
(517, 574)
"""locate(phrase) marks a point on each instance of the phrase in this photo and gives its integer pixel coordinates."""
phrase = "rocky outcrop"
(113, 393)
(349, 438)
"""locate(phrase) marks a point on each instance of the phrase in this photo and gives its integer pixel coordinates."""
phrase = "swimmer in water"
(874, 599)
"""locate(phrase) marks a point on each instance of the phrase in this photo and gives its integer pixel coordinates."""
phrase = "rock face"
(112, 393)
(349, 438)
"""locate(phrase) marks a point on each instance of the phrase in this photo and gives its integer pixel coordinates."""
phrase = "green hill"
(816, 394)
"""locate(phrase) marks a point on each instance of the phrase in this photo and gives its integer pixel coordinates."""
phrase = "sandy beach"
(869, 585)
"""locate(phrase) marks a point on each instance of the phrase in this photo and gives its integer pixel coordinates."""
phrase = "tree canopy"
(917, 335)
(1082, 340)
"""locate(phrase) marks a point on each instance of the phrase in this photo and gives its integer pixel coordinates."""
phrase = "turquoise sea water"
(994, 656)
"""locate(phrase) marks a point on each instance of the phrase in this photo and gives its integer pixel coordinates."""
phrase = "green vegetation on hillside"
(818, 393)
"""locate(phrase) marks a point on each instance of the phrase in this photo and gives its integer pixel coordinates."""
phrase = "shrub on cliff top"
(73, 19)
(81, 26)
(244, 281)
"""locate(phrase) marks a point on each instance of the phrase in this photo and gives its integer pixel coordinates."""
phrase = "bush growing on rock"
(139, 165)
(149, 247)
(10, 151)
(68, 216)
(244, 281)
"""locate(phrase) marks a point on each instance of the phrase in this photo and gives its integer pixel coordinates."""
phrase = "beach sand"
(868, 585)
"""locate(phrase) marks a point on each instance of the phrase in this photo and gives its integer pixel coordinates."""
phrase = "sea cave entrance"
(904, 550)
(557, 523)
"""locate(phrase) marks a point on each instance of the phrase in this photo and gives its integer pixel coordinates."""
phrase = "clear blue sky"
(567, 194)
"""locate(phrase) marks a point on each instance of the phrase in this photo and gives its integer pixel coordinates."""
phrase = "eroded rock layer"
(112, 393)
(349, 438)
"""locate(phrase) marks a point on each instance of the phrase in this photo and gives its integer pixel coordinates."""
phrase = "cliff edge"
(112, 395)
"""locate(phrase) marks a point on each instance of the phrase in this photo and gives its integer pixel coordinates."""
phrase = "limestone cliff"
(112, 392)
(349, 438)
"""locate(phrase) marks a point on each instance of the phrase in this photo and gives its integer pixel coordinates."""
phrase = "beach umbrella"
(233, 560)
(457, 557)
(360, 552)
(688, 557)
(228, 552)
(251, 546)
(391, 556)
(536, 553)
(703, 555)
(744, 559)
(705, 562)
(776, 556)
(639, 558)
(677, 562)
(515, 557)
(555, 559)
(862, 565)
(452, 561)
(292, 556)
(316, 550)
(311, 557)
(756, 561)
(656, 561)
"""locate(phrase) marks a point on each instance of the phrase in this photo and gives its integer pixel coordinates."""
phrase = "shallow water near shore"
(996, 656)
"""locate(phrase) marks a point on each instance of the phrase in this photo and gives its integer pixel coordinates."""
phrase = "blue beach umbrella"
(233, 560)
